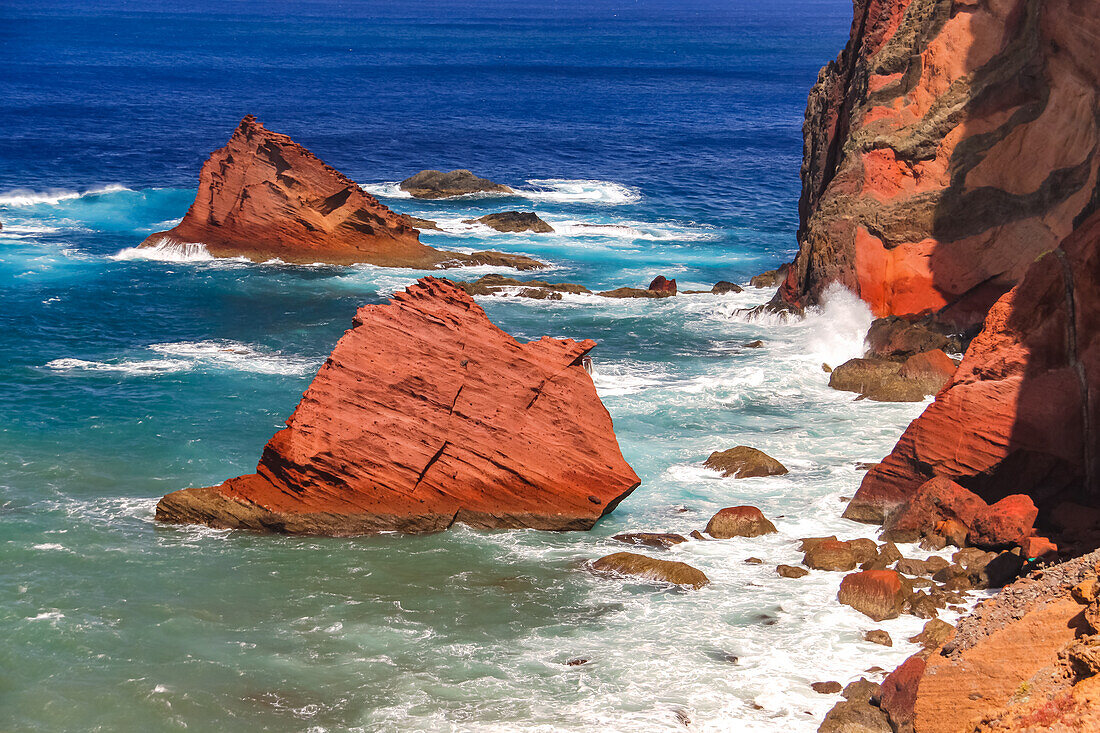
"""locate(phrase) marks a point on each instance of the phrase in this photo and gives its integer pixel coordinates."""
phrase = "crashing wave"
(25, 197)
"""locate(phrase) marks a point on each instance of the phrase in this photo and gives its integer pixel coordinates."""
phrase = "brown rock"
(744, 462)
(650, 539)
(724, 286)
(806, 543)
(739, 521)
(879, 594)
(432, 184)
(897, 338)
(648, 568)
(790, 571)
(934, 635)
(424, 415)
(501, 285)
(830, 555)
(883, 380)
(826, 688)
(633, 293)
(878, 636)
(513, 221)
(661, 284)
(753, 344)
(753, 561)
(769, 279)
(263, 196)
(418, 223)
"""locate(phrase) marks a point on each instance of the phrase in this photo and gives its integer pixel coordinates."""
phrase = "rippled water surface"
(657, 138)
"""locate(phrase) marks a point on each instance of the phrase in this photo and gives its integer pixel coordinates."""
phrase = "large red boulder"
(898, 693)
(948, 146)
(1009, 522)
(880, 594)
(426, 414)
(739, 521)
(1022, 413)
(662, 284)
(264, 196)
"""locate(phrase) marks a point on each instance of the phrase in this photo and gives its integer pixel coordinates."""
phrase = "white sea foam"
(556, 190)
(195, 355)
(167, 250)
(838, 327)
(49, 546)
(26, 230)
(24, 197)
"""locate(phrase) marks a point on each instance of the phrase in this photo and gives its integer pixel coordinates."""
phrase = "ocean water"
(656, 137)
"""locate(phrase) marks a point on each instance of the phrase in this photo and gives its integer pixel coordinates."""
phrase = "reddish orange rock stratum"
(948, 146)
(424, 415)
(264, 196)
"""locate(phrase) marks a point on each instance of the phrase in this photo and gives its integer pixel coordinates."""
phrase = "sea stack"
(947, 147)
(263, 196)
(426, 414)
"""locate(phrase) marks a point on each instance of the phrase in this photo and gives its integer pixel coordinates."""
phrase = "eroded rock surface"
(426, 414)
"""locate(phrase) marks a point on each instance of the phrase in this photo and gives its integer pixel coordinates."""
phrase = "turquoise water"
(657, 138)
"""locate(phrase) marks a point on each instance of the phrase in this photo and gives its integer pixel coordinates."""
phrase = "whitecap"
(49, 546)
(167, 250)
(25, 197)
(580, 191)
(184, 356)
(149, 366)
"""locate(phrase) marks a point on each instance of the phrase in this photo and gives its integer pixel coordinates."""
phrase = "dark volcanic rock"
(650, 539)
(433, 184)
(424, 415)
(513, 221)
(769, 279)
(661, 284)
(633, 293)
(724, 286)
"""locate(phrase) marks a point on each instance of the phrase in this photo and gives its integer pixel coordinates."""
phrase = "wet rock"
(862, 690)
(721, 655)
(898, 695)
(744, 462)
(826, 688)
(739, 521)
(576, 662)
(883, 380)
(501, 285)
(850, 716)
(878, 636)
(513, 221)
(806, 543)
(697, 535)
(433, 184)
(650, 539)
(790, 571)
(897, 338)
(724, 286)
(633, 293)
(829, 554)
(878, 594)
(753, 561)
(864, 549)
(648, 568)
(661, 284)
(889, 552)
(419, 223)
(753, 344)
(934, 635)
(922, 605)
(769, 279)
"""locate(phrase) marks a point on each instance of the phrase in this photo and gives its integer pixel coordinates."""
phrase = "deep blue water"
(657, 137)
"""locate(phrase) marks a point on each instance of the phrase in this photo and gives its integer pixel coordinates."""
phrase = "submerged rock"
(633, 293)
(650, 539)
(433, 184)
(790, 571)
(513, 221)
(739, 521)
(826, 688)
(648, 568)
(744, 462)
(263, 196)
(424, 415)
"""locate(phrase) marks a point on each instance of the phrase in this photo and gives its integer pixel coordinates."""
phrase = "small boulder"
(897, 338)
(829, 554)
(883, 380)
(790, 571)
(879, 594)
(433, 184)
(934, 501)
(826, 688)
(744, 462)
(935, 634)
(696, 535)
(739, 521)
(865, 549)
(878, 636)
(753, 561)
(1040, 548)
(806, 543)
(513, 221)
(650, 539)
(661, 284)
(724, 286)
(769, 279)
(851, 716)
(648, 568)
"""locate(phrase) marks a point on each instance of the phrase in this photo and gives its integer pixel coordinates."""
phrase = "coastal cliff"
(424, 415)
(264, 196)
(949, 145)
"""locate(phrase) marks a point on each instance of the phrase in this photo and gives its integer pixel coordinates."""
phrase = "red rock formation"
(948, 146)
(264, 196)
(880, 594)
(427, 414)
(1022, 413)
(662, 284)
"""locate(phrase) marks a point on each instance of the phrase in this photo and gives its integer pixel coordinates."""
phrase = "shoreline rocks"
(744, 462)
(263, 196)
(648, 568)
(433, 184)
(885, 380)
(878, 594)
(513, 221)
(502, 285)
(739, 521)
(424, 415)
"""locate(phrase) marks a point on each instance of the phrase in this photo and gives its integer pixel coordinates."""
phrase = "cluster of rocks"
(660, 287)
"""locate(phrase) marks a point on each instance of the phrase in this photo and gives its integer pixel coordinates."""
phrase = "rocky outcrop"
(662, 284)
(744, 462)
(739, 521)
(886, 380)
(426, 414)
(1021, 415)
(771, 278)
(725, 286)
(433, 184)
(508, 286)
(648, 568)
(263, 196)
(513, 221)
(948, 146)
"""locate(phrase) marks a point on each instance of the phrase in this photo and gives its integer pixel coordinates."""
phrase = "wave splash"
(551, 190)
(185, 356)
(25, 197)
(166, 250)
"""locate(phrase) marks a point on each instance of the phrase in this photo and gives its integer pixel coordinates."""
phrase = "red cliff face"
(264, 196)
(1022, 413)
(424, 415)
(950, 144)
